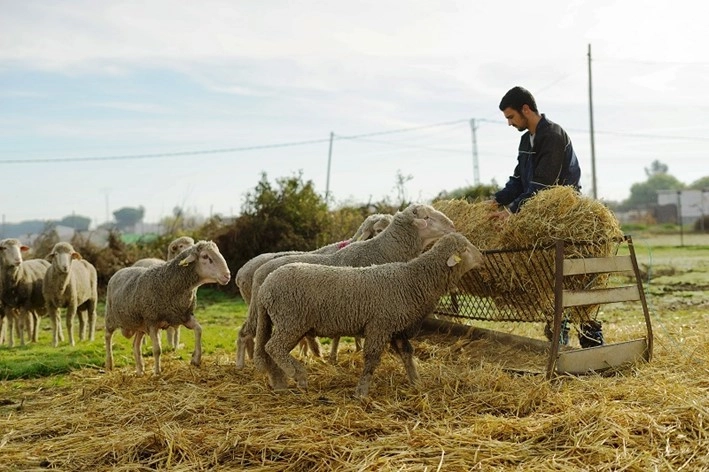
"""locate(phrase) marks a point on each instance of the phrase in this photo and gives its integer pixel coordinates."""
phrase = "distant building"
(690, 205)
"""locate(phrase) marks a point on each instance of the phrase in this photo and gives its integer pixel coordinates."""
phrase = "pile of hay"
(523, 274)
(469, 413)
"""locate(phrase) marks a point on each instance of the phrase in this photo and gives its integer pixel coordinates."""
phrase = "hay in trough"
(469, 413)
(523, 272)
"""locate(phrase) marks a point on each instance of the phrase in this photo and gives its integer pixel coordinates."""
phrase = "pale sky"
(225, 90)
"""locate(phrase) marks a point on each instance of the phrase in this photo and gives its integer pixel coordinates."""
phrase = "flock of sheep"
(377, 286)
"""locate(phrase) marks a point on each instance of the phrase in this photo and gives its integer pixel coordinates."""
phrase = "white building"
(691, 204)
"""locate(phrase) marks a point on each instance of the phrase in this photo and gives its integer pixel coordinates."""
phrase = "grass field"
(60, 409)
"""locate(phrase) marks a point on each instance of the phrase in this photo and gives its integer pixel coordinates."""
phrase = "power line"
(219, 151)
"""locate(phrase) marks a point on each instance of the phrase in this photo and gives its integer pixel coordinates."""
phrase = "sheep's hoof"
(303, 385)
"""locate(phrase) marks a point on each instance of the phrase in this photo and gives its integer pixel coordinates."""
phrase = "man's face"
(516, 119)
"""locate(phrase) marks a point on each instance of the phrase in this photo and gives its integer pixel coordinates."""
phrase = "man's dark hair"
(516, 98)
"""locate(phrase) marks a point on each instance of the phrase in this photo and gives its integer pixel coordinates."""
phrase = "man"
(545, 157)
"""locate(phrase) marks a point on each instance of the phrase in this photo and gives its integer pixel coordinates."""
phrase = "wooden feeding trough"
(557, 284)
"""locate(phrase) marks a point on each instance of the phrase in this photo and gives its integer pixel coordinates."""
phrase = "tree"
(700, 184)
(127, 217)
(471, 193)
(656, 168)
(79, 223)
(644, 195)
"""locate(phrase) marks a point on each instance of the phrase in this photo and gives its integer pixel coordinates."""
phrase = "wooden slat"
(600, 295)
(596, 359)
(596, 265)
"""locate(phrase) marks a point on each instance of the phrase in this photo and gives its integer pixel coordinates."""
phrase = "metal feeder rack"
(555, 285)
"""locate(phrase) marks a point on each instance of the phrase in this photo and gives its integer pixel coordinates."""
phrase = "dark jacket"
(551, 161)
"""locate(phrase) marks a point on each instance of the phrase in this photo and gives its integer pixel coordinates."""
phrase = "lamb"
(142, 300)
(173, 249)
(21, 287)
(409, 232)
(383, 303)
(71, 283)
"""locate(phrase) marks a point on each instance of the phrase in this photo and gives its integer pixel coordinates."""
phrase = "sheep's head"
(431, 223)
(372, 226)
(179, 245)
(210, 265)
(61, 256)
(11, 252)
(464, 256)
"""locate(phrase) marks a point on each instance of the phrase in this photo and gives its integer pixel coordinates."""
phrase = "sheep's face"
(466, 256)
(431, 223)
(210, 264)
(179, 245)
(61, 257)
(11, 252)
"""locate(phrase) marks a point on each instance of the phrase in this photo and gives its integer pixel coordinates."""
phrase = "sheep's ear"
(188, 260)
(75, 255)
(50, 256)
(420, 223)
(24, 248)
(453, 260)
(364, 236)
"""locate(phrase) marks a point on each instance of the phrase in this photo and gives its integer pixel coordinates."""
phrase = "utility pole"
(476, 171)
(329, 160)
(590, 113)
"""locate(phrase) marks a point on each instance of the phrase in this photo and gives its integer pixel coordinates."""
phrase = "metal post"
(476, 171)
(679, 218)
(590, 114)
(329, 160)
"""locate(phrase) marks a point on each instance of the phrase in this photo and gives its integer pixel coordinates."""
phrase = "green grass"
(220, 315)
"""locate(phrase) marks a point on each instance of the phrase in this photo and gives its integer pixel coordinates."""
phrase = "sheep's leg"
(358, 344)
(35, 326)
(82, 324)
(157, 348)
(54, 317)
(91, 313)
(405, 350)
(137, 340)
(108, 337)
(70, 314)
(334, 345)
(245, 342)
(279, 348)
(173, 337)
(195, 326)
(373, 348)
(314, 345)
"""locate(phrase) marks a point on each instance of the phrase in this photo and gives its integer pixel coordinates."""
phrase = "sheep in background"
(173, 249)
(409, 232)
(71, 283)
(142, 300)
(21, 285)
(382, 303)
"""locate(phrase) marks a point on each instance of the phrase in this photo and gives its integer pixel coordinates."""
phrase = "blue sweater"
(550, 161)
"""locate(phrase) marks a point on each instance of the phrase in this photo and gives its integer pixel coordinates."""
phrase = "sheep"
(142, 300)
(385, 304)
(71, 283)
(370, 227)
(173, 249)
(409, 232)
(21, 287)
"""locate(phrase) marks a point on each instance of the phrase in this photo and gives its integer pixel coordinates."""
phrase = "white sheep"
(142, 300)
(384, 303)
(409, 232)
(71, 283)
(21, 287)
(173, 249)
(369, 228)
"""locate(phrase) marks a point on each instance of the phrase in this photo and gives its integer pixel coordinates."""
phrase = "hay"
(524, 273)
(469, 413)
